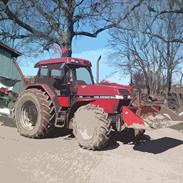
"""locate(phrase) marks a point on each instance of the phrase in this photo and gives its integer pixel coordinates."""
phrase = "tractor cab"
(63, 75)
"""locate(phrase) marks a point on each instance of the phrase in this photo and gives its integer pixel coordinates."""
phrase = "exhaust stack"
(97, 73)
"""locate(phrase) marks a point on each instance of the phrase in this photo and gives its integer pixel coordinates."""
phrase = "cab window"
(83, 76)
(56, 73)
(43, 72)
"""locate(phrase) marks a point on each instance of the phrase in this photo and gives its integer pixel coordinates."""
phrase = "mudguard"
(132, 120)
(49, 92)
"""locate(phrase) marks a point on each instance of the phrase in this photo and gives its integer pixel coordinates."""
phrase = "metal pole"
(97, 74)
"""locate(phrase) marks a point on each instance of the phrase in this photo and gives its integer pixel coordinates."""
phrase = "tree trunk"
(148, 89)
(158, 81)
(147, 82)
(68, 45)
(69, 12)
(169, 66)
(181, 78)
(147, 78)
(69, 38)
(169, 80)
(169, 50)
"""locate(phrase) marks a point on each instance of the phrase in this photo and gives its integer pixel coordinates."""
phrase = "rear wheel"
(34, 114)
(91, 127)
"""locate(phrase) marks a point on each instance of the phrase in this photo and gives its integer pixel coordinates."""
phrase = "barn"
(9, 69)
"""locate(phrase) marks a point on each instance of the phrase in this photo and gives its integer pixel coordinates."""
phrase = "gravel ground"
(59, 159)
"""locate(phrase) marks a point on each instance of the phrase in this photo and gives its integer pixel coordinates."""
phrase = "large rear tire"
(91, 127)
(34, 114)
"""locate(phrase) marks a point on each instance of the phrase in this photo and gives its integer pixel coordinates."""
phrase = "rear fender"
(131, 119)
(49, 92)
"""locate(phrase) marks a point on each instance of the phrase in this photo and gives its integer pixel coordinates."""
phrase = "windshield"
(83, 76)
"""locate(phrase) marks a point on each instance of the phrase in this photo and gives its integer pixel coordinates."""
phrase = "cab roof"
(66, 60)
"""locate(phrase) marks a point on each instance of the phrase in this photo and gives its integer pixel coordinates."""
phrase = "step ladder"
(61, 118)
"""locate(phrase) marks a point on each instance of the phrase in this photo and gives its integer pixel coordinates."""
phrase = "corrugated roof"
(15, 52)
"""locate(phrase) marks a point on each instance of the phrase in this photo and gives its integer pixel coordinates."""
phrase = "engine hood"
(117, 85)
(101, 90)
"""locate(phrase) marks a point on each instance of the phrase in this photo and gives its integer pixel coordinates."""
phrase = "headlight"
(119, 97)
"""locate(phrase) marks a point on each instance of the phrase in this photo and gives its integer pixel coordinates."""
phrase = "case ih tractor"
(64, 95)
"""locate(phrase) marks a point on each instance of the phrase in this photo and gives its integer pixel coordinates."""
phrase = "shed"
(9, 67)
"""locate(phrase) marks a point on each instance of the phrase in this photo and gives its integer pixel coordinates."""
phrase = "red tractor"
(64, 95)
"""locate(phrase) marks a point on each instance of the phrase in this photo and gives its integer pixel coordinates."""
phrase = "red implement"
(131, 120)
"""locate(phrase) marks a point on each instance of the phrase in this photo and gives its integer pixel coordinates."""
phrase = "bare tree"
(148, 41)
(172, 27)
(8, 32)
(169, 8)
(59, 21)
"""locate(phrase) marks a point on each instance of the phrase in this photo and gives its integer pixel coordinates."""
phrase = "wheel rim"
(29, 115)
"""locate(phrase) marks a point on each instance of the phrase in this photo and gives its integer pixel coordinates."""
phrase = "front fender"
(75, 107)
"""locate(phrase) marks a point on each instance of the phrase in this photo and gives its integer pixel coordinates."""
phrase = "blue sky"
(86, 48)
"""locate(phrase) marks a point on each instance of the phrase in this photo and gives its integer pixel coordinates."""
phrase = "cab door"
(43, 75)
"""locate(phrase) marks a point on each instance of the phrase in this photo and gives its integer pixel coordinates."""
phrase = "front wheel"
(91, 127)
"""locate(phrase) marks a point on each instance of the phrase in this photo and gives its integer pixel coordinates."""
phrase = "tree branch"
(15, 18)
(79, 3)
(178, 40)
(109, 26)
(94, 35)
(53, 23)
(12, 36)
(171, 11)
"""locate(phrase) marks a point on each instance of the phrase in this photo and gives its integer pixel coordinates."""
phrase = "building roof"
(66, 60)
(12, 50)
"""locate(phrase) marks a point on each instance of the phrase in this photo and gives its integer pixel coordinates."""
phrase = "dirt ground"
(59, 159)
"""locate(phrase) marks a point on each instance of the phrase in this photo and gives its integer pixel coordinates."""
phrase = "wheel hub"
(29, 115)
